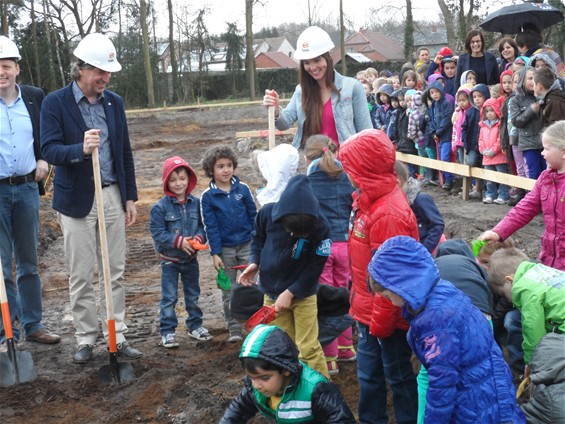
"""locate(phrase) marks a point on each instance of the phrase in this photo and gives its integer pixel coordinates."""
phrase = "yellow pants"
(301, 324)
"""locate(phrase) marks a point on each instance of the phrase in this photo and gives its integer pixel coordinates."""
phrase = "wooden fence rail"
(467, 172)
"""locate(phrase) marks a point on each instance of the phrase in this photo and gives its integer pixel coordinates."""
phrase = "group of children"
(304, 237)
(497, 128)
(344, 213)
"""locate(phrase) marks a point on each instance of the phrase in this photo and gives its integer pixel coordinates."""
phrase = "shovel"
(15, 366)
(114, 371)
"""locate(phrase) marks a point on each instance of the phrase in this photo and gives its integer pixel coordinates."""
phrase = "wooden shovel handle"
(104, 250)
(271, 110)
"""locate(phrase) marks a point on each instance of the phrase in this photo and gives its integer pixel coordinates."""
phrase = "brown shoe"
(43, 336)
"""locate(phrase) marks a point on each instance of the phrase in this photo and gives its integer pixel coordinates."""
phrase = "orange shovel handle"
(7, 321)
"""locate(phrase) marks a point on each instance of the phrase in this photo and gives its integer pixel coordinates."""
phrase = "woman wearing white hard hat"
(324, 102)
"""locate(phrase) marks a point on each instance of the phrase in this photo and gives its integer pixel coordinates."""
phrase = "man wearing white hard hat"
(22, 170)
(75, 120)
(325, 102)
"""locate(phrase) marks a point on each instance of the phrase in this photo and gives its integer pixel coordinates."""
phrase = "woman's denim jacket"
(351, 114)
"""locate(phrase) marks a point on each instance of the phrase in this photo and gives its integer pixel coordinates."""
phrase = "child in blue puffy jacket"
(469, 382)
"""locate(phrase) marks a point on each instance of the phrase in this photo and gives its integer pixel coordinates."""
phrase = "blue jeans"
(445, 156)
(390, 358)
(514, 339)
(536, 163)
(19, 222)
(492, 186)
(189, 274)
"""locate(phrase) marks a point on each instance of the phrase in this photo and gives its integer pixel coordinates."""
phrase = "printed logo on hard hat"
(111, 57)
(305, 46)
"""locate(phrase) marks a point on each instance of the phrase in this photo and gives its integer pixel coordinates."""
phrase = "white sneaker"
(235, 336)
(488, 200)
(200, 333)
(169, 341)
(500, 201)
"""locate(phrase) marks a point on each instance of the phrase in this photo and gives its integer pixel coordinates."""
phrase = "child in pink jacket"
(457, 119)
(489, 146)
(547, 197)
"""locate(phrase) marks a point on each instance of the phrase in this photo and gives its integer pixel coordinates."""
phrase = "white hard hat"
(313, 42)
(99, 51)
(8, 49)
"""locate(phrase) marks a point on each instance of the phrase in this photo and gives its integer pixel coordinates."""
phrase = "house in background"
(375, 46)
(274, 60)
(432, 36)
(273, 44)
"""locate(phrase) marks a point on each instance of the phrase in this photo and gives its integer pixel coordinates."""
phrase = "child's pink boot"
(346, 354)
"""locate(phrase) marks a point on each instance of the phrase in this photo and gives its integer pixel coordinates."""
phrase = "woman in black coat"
(477, 59)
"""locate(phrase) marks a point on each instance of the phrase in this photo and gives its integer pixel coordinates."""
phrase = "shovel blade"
(115, 372)
(15, 369)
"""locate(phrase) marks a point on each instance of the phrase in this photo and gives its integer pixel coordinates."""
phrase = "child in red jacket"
(380, 211)
(489, 146)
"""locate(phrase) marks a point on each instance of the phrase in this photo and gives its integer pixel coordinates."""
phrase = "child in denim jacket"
(175, 223)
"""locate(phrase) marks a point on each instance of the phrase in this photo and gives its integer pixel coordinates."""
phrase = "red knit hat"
(445, 51)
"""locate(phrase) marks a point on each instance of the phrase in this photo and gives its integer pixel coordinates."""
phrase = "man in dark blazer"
(22, 170)
(76, 120)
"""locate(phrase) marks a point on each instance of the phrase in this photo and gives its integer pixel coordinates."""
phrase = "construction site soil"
(195, 382)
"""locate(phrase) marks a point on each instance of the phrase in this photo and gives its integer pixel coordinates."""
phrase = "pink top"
(328, 122)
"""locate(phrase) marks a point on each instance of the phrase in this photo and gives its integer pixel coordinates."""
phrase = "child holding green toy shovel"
(228, 212)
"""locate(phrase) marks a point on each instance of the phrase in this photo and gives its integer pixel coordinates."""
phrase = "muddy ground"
(194, 383)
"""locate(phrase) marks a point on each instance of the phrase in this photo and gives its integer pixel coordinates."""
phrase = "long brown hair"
(312, 98)
(324, 148)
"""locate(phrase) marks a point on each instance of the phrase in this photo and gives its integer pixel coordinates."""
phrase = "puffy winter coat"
(403, 143)
(539, 292)
(489, 136)
(309, 398)
(552, 109)
(440, 113)
(334, 196)
(524, 117)
(229, 218)
(469, 381)
(380, 211)
(546, 197)
(470, 127)
(430, 221)
(414, 132)
(547, 373)
(457, 120)
(285, 260)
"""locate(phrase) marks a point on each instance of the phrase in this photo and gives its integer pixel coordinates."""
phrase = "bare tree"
(408, 32)
(342, 39)
(34, 47)
(249, 53)
(173, 53)
(146, 56)
(4, 17)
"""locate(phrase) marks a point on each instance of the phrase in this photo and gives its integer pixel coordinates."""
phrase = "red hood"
(495, 104)
(368, 158)
(169, 166)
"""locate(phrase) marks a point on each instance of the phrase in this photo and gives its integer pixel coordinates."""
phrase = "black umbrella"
(511, 19)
